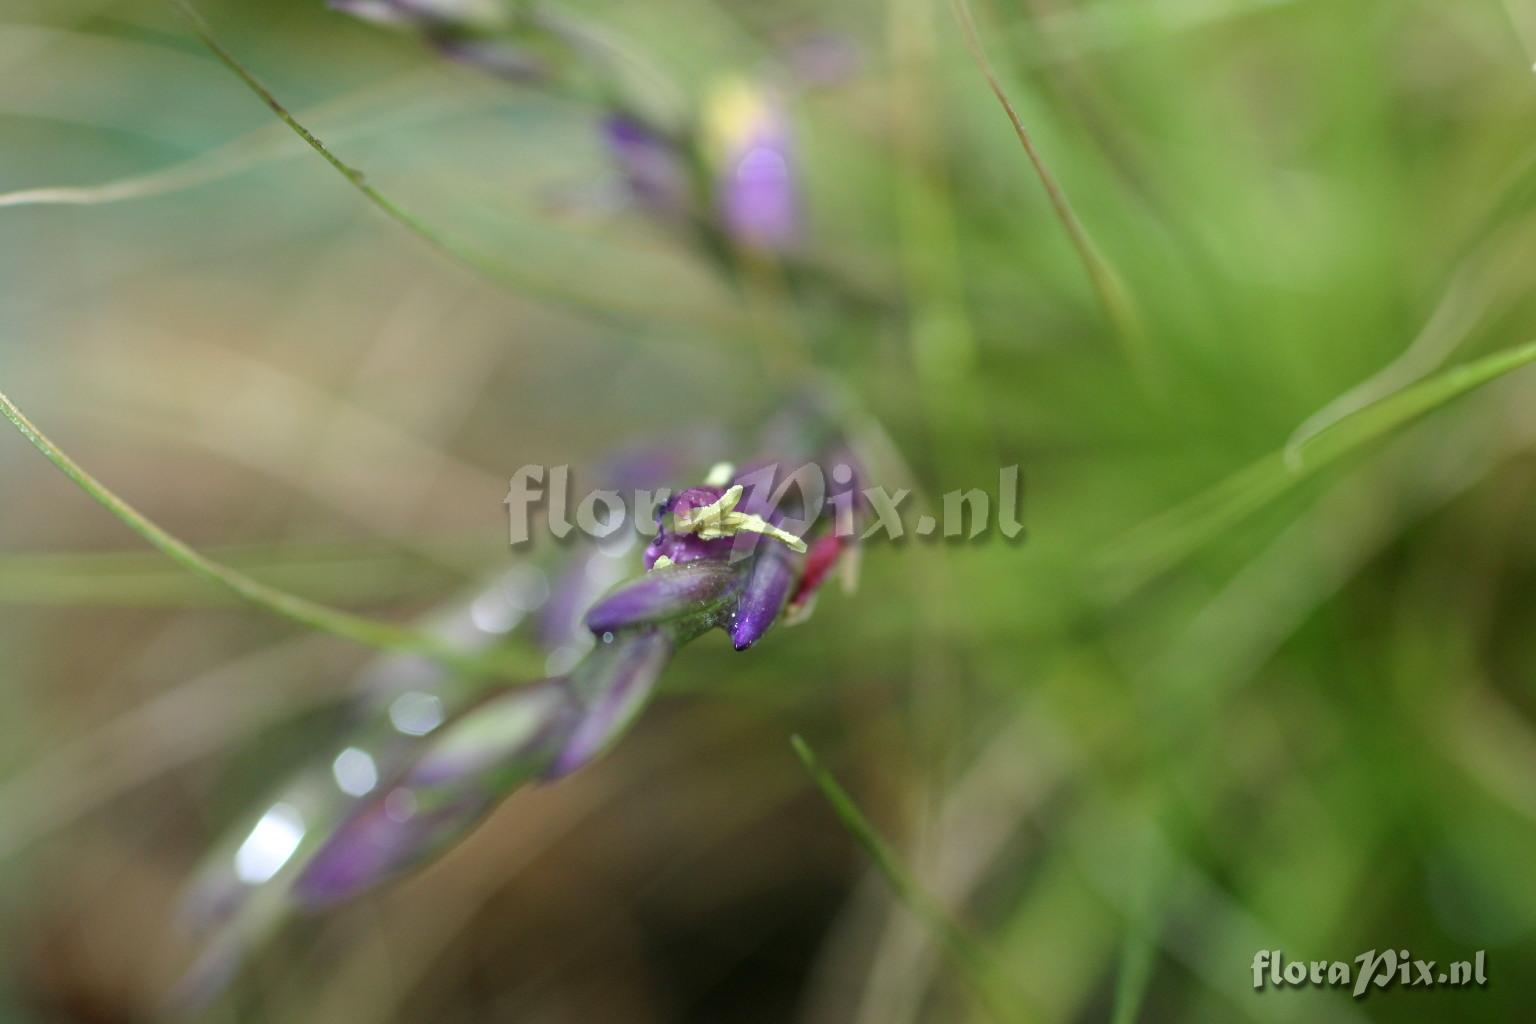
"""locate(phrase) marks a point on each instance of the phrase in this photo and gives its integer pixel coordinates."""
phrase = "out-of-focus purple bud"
(514, 731)
(653, 167)
(384, 836)
(748, 140)
(594, 570)
(611, 686)
(535, 732)
(687, 598)
(774, 572)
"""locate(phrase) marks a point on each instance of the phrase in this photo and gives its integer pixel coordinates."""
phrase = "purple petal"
(678, 593)
(385, 836)
(612, 685)
(687, 548)
(758, 198)
(773, 575)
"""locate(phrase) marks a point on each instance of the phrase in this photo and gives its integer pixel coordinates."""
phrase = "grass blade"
(1132, 978)
(1409, 404)
(1107, 284)
(1164, 541)
(972, 961)
(496, 270)
(357, 628)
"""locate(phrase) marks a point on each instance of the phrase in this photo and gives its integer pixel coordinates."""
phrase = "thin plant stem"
(1107, 284)
(1162, 542)
(349, 626)
(483, 263)
(974, 963)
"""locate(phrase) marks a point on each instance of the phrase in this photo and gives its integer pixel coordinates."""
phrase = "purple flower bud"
(611, 686)
(383, 837)
(756, 195)
(514, 732)
(590, 573)
(774, 572)
(547, 730)
(689, 598)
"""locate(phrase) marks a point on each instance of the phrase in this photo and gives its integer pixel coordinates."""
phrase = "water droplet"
(355, 771)
(416, 713)
(269, 846)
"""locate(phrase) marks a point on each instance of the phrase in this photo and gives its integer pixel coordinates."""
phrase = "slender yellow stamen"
(720, 519)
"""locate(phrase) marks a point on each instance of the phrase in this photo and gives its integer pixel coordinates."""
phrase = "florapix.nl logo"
(549, 499)
(1380, 969)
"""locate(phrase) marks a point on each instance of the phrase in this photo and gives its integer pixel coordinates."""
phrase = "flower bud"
(749, 145)
(688, 599)
(774, 572)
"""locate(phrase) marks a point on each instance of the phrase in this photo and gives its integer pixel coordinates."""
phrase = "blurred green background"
(1124, 755)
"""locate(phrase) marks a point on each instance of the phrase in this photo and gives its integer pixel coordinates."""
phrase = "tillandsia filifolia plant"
(429, 753)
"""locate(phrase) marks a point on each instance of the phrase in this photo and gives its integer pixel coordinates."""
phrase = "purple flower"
(428, 754)
(756, 195)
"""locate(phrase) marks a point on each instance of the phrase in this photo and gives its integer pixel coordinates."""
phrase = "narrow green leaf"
(554, 293)
(973, 962)
(1108, 285)
(357, 628)
(1134, 974)
(1164, 541)
(1409, 404)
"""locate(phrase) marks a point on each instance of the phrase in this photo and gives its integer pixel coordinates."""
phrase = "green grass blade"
(970, 959)
(357, 628)
(1409, 404)
(1134, 973)
(1107, 283)
(604, 307)
(1169, 538)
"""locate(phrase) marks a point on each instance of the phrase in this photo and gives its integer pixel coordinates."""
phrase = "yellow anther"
(720, 519)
